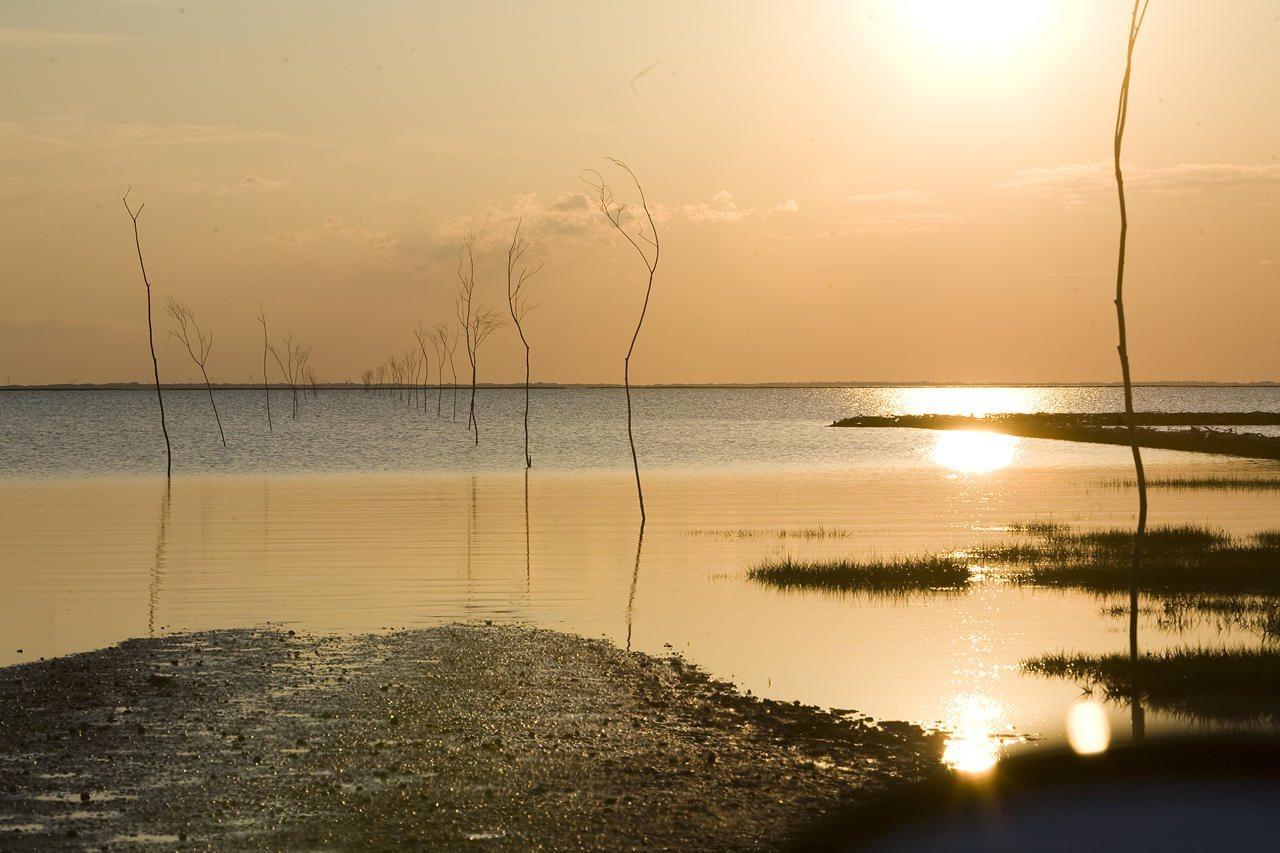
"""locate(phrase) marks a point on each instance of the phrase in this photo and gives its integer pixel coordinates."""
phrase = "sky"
(844, 191)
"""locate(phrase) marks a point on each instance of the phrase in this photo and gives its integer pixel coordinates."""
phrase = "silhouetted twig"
(266, 385)
(199, 344)
(1122, 115)
(151, 338)
(518, 303)
(614, 212)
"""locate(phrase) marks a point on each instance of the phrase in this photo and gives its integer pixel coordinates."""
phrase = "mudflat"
(459, 737)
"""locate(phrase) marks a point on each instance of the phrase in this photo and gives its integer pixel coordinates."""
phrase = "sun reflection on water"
(973, 452)
(974, 743)
(973, 402)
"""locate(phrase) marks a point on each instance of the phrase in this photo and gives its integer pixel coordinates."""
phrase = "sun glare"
(973, 747)
(975, 28)
(962, 42)
(973, 451)
(975, 402)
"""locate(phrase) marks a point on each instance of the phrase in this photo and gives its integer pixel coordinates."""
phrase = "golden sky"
(845, 190)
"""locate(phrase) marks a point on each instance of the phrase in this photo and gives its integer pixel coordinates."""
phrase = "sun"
(975, 29)
(984, 45)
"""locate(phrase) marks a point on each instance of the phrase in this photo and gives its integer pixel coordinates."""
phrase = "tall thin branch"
(615, 212)
(437, 346)
(484, 322)
(1122, 115)
(291, 363)
(424, 337)
(199, 344)
(466, 294)
(151, 337)
(449, 343)
(518, 304)
(266, 386)
(301, 356)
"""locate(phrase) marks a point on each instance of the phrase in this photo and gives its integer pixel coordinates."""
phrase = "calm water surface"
(367, 513)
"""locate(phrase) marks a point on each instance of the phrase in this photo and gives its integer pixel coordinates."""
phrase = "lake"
(371, 512)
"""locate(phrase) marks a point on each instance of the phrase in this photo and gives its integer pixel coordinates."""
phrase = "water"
(366, 514)
(92, 433)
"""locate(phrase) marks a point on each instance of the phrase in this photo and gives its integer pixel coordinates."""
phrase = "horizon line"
(360, 386)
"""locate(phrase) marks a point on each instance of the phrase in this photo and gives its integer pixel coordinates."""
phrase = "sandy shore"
(448, 738)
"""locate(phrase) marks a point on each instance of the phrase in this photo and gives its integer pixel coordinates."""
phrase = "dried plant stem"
(151, 338)
(198, 344)
(266, 386)
(1122, 114)
(518, 304)
(614, 213)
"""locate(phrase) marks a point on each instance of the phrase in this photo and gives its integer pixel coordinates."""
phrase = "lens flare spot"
(1088, 730)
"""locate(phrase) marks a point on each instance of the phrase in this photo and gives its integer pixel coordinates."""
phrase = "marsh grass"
(1215, 684)
(818, 532)
(1184, 612)
(1218, 483)
(904, 574)
(1039, 528)
(1183, 560)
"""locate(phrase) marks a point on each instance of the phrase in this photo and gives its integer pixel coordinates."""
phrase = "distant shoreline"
(1108, 428)
(556, 386)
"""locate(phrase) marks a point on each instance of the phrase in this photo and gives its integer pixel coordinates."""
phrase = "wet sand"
(460, 737)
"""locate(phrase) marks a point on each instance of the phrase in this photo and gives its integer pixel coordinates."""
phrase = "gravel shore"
(460, 737)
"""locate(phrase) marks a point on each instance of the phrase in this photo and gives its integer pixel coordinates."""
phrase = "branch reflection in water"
(157, 569)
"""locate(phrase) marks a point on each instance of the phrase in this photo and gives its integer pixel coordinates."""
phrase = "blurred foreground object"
(1160, 795)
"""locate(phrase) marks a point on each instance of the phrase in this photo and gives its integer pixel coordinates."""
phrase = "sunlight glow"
(974, 29)
(973, 452)
(1088, 730)
(971, 401)
(973, 747)
(978, 44)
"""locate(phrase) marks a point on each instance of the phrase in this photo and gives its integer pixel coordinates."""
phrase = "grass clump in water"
(904, 574)
(1242, 484)
(1182, 612)
(819, 532)
(1177, 561)
(1214, 684)
(1039, 528)
(1182, 558)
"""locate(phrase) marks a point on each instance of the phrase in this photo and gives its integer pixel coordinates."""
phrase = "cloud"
(45, 38)
(575, 215)
(45, 326)
(722, 208)
(69, 133)
(906, 197)
(569, 215)
(306, 240)
(247, 184)
(1073, 183)
(899, 223)
(382, 242)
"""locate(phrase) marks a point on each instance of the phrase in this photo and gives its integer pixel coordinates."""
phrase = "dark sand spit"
(1109, 428)
(461, 737)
